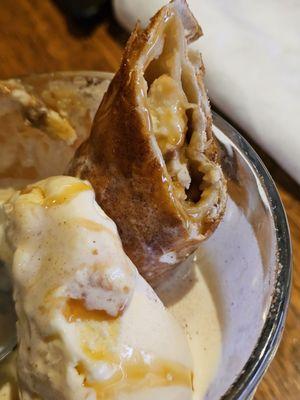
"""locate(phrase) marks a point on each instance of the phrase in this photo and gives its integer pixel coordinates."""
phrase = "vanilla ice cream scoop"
(89, 326)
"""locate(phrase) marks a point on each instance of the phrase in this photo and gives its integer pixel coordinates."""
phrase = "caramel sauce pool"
(135, 370)
(136, 373)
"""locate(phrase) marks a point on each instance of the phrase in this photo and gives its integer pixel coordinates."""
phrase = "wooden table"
(35, 36)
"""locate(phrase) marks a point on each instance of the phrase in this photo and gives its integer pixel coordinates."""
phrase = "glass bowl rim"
(248, 379)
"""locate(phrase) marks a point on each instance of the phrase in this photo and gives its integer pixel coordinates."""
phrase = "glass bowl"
(246, 263)
(268, 219)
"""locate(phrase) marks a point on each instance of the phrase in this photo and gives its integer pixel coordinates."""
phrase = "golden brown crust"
(130, 179)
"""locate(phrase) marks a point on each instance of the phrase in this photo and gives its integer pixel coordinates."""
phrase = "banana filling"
(168, 107)
(180, 122)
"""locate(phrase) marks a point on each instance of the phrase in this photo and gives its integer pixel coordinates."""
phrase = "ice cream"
(89, 326)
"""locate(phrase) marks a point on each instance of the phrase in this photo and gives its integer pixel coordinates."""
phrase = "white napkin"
(251, 50)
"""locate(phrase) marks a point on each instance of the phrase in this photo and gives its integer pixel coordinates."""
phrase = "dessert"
(89, 326)
(151, 156)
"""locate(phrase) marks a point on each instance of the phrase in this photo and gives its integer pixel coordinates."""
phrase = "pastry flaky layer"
(151, 156)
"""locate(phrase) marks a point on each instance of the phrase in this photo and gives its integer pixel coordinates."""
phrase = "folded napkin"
(251, 50)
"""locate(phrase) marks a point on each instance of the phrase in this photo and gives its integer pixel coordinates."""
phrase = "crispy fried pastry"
(151, 156)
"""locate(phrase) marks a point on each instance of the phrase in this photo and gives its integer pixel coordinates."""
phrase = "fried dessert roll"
(151, 156)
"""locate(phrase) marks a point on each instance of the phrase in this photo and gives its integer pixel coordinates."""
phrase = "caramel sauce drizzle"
(75, 310)
(92, 225)
(68, 194)
(137, 373)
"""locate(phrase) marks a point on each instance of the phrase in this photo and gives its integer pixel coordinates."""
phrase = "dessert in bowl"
(223, 296)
